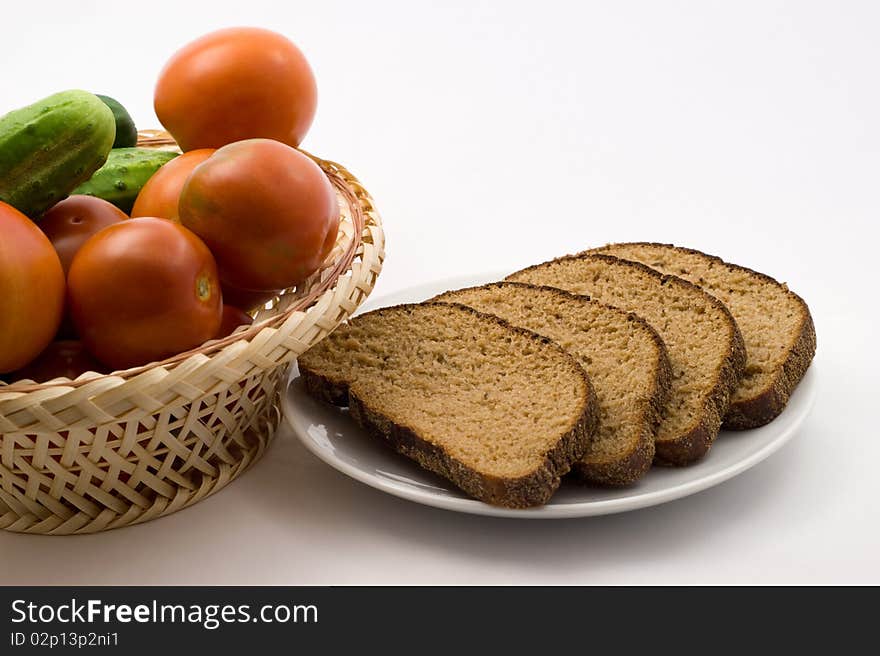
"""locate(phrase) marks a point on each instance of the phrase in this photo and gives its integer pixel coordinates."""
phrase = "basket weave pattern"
(106, 451)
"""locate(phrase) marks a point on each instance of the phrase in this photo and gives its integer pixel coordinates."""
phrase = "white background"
(494, 135)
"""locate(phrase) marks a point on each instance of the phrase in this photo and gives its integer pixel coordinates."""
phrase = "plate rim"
(549, 511)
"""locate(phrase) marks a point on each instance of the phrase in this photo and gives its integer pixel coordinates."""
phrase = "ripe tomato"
(143, 290)
(61, 359)
(72, 221)
(232, 319)
(160, 195)
(266, 211)
(236, 84)
(31, 289)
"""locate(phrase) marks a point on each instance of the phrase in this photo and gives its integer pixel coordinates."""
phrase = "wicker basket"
(106, 451)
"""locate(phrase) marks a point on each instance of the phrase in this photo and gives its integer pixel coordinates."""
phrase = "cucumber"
(50, 147)
(126, 132)
(126, 171)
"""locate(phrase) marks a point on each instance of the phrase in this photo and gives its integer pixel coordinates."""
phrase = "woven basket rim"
(161, 139)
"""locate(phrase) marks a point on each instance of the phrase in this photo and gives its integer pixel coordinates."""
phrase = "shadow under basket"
(106, 451)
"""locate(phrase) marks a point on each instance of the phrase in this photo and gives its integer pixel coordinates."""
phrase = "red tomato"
(31, 290)
(143, 290)
(266, 211)
(236, 84)
(61, 359)
(68, 225)
(72, 221)
(232, 319)
(247, 299)
(160, 195)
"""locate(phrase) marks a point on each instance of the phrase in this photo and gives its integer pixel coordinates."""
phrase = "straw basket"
(106, 451)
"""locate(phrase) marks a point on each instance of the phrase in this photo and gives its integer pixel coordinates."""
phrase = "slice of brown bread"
(705, 347)
(775, 322)
(499, 411)
(623, 356)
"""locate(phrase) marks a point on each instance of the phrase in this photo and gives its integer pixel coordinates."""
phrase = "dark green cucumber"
(50, 147)
(126, 132)
(127, 170)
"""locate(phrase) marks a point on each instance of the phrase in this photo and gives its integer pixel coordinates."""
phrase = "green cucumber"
(127, 170)
(126, 132)
(50, 147)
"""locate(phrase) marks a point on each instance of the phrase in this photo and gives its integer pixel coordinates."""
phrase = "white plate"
(332, 436)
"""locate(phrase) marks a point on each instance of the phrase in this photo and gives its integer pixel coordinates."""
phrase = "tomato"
(143, 290)
(247, 299)
(61, 359)
(160, 195)
(266, 211)
(72, 221)
(232, 319)
(68, 225)
(236, 84)
(31, 289)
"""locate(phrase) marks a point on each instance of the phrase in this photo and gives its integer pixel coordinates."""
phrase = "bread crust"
(767, 404)
(696, 442)
(533, 489)
(763, 408)
(323, 388)
(628, 470)
(633, 465)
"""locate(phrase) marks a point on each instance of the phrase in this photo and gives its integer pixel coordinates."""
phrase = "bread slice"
(705, 347)
(623, 356)
(775, 322)
(499, 411)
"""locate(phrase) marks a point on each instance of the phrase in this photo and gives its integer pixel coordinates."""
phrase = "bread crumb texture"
(700, 336)
(624, 357)
(771, 317)
(495, 399)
